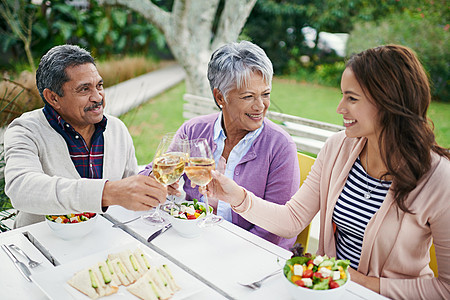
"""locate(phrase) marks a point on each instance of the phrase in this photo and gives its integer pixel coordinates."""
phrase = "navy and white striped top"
(353, 211)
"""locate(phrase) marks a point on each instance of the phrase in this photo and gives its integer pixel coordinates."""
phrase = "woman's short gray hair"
(232, 65)
(51, 73)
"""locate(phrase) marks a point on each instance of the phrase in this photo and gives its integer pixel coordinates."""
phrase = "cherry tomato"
(300, 283)
(310, 262)
(333, 284)
(191, 217)
(317, 275)
(65, 220)
(307, 274)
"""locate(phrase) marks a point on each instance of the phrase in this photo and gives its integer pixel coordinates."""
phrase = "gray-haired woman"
(247, 147)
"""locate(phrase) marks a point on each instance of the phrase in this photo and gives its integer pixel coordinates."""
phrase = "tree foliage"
(104, 31)
(193, 29)
(276, 26)
(18, 15)
(422, 27)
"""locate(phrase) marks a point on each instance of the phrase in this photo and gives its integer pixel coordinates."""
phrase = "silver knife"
(19, 265)
(162, 230)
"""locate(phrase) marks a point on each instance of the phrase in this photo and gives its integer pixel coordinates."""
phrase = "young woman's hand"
(225, 189)
(372, 283)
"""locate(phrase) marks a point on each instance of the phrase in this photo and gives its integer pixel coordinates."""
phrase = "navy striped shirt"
(353, 211)
(88, 162)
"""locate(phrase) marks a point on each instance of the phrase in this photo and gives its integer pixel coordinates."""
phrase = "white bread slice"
(145, 289)
(82, 282)
(101, 289)
(125, 258)
(115, 279)
(121, 271)
(143, 260)
(104, 289)
(138, 270)
(166, 272)
(162, 289)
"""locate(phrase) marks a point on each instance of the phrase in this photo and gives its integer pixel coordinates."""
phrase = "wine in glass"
(179, 148)
(198, 170)
(168, 166)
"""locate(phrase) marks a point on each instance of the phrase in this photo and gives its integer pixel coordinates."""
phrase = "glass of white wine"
(198, 170)
(168, 166)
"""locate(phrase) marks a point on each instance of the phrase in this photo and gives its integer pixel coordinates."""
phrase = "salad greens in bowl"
(71, 226)
(316, 277)
(184, 218)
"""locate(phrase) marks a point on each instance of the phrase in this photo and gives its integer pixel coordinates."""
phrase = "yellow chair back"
(305, 163)
(433, 262)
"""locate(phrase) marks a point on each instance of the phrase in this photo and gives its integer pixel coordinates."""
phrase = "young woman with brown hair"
(382, 187)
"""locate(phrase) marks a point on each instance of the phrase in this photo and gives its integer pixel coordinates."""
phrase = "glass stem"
(156, 212)
(206, 205)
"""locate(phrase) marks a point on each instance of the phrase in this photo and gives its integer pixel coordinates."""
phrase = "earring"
(221, 106)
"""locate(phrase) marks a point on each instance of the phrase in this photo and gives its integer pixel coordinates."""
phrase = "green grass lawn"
(148, 122)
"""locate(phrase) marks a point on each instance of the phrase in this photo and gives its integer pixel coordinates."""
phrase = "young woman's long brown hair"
(394, 79)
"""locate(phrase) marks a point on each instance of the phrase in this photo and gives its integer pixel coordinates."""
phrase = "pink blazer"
(396, 244)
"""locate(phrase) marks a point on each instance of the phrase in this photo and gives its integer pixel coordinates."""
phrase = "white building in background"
(80, 4)
(327, 41)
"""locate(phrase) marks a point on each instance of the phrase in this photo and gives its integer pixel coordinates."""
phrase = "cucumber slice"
(106, 275)
(94, 282)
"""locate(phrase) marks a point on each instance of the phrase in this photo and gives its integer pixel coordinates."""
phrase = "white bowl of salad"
(184, 219)
(316, 277)
(72, 226)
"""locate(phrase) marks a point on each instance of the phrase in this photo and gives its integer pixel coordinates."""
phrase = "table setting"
(206, 256)
(216, 262)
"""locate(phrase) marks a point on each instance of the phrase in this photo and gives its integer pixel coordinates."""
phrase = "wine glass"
(178, 148)
(168, 166)
(198, 170)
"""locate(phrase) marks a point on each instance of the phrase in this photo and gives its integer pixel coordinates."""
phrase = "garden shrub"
(330, 74)
(428, 38)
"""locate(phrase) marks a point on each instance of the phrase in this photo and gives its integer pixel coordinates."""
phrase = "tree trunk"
(188, 30)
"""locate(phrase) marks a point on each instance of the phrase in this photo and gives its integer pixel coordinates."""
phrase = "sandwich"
(153, 285)
(93, 282)
(130, 269)
(135, 270)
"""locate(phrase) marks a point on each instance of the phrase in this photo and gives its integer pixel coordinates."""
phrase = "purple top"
(269, 169)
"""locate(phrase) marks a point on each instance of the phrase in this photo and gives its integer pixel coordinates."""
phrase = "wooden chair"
(305, 163)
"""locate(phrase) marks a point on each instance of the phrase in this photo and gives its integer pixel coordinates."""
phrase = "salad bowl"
(72, 226)
(184, 218)
(320, 287)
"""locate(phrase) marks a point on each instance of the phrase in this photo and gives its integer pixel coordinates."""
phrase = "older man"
(70, 157)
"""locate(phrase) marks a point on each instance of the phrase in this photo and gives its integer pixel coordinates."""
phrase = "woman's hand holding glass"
(224, 188)
(198, 170)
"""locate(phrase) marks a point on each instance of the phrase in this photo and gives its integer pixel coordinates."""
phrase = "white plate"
(54, 282)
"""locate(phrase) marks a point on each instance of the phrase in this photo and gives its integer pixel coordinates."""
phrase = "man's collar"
(51, 114)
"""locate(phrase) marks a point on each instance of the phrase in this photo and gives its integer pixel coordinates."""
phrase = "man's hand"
(137, 192)
(173, 189)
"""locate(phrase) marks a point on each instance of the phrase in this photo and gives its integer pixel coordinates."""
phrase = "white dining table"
(209, 266)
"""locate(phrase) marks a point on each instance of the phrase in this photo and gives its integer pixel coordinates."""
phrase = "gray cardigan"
(41, 178)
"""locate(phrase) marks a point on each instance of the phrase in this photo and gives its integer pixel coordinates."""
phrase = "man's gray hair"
(51, 73)
(232, 65)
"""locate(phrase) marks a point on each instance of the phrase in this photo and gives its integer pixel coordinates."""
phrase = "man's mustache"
(93, 106)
